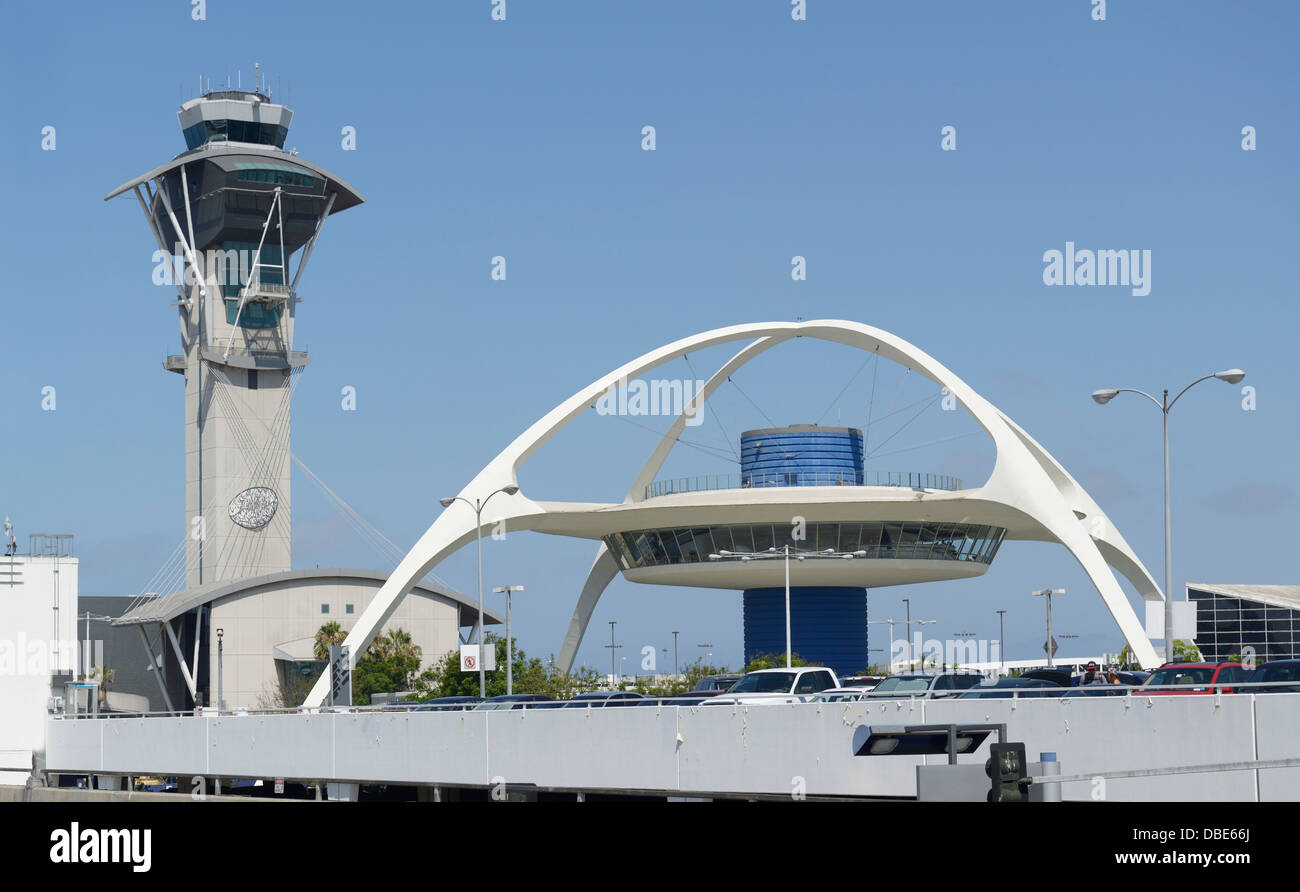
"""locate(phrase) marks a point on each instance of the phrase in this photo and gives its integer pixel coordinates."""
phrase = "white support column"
(157, 237)
(180, 658)
(161, 192)
(307, 249)
(153, 668)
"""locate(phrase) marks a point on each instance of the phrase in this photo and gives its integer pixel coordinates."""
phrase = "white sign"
(1184, 620)
(469, 657)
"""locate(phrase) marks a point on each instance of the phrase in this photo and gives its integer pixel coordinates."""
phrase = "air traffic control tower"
(228, 215)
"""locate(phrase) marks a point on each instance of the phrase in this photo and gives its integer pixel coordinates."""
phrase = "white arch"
(1025, 477)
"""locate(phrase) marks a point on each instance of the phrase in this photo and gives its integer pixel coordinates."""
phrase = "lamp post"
(613, 649)
(886, 622)
(1048, 592)
(1002, 641)
(510, 644)
(221, 698)
(477, 505)
(786, 552)
(675, 634)
(1102, 397)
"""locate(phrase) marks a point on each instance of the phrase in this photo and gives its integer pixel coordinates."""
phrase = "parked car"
(925, 684)
(1056, 676)
(690, 698)
(716, 683)
(1015, 687)
(838, 695)
(863, 682)
(513, 701)
(793, 685)
(1200, 678)
(445, 704)
(604, 698)
(1275, 671)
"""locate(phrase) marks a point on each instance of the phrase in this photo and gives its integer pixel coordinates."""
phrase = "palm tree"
(330, 633)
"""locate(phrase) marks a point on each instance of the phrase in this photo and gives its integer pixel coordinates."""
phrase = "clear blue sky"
(775, 138)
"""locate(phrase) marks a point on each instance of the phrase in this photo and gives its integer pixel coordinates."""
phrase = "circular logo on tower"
(253, 508)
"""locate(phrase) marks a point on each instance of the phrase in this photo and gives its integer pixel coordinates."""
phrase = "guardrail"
(705, 482)
(1037, 693)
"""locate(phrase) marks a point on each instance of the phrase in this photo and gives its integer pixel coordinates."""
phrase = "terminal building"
(1232, 618)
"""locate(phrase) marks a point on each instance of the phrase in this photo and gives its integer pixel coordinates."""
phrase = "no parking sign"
(469, 658)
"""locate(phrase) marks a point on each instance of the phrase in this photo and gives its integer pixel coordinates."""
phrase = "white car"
(769, 686)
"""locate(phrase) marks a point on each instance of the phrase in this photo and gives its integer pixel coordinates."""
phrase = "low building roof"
(1273, 595)
(168, 607)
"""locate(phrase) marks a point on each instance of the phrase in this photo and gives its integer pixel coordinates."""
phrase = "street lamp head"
(1232, 376)
(1104, 396)
(446, 503)
(510, 490)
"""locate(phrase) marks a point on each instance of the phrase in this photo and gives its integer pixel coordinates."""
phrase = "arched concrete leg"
(603, 571)
(605, 568)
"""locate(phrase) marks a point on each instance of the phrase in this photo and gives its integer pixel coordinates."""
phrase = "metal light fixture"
(477, 506)
(1229, 376)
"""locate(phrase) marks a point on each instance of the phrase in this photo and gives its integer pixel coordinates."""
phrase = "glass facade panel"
(703, 542)
(742, 539)
(722, 539)
(828, 536)
(646, 548)
(871, 538)
(686, 546)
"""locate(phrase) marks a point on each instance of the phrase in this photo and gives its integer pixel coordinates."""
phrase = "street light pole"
(613, 649)
(478, 505)
(785, 552)
(675, 634)
(1104, 396)
(221, 696)
(1002, 641)
(786, 548)
(886, 622)
(1048, 592)
(510, 644)
(908, 603)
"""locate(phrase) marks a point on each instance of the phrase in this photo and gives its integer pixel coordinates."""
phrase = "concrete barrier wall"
(782, 749)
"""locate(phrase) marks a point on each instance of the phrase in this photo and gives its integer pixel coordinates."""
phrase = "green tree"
(330, 633)
(773, 661)
(390, 664)
(531, 676)
(681, 683)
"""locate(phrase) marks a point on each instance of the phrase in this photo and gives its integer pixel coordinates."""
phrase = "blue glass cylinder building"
(828, 625)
